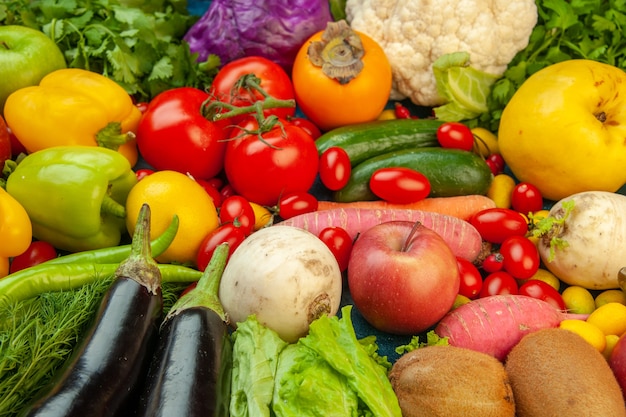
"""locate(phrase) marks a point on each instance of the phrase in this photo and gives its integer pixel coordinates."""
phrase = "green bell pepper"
(75, 196)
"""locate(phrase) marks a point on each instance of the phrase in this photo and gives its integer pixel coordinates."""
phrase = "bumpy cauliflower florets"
(414, 33)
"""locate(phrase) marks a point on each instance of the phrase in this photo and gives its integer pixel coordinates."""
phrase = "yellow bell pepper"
(74, 107)
(16, 229)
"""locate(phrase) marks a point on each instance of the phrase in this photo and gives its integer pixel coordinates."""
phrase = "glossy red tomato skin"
(493, 262)
(274, 80)
(286, 161)
(212, 191)
(237, 210)
(471, 279)
(496, 224)
(143, 173)
(499, 282)
(455, 135)
(543, 291)
(37, 252)
(339, 242)
(334, 168)
(526, 198)
(173, 135)
(296, 203)
(310, 127)
(399, 185)
(496, 163)
(226, 233)
(520, 257)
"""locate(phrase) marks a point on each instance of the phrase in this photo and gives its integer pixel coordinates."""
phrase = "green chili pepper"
(74, 195)
(30, 282)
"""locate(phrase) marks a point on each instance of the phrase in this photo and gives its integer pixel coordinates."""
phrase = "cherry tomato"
(496, 163)
(142, 106)
(526, 198)
(296, 203)
(401, 111)
(520, 257)
(339, 242)
(471, 279)
(307, 125)
(334, 168)
(237, 210)
(5, 143)
(143, 173)
(226, 191)
(496, 224)
(455, 135)
(499, 282)
(226, 233)
(493, 262)
(284, 162)
(399, 185)
(273, 80)
(38, 251)
(539, 289)
(212, 191)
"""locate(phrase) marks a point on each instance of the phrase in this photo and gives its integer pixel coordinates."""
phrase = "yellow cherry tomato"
(548, 277)
(578, 300)
(611, 341)
(262, 216)
(609, 296)
(486, 141)
(591, 333)
(500, 190)
(16, 229)
(169, 193)
(610, 318)
(387, 114)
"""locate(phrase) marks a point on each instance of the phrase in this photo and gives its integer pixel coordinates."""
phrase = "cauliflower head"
(414, 33)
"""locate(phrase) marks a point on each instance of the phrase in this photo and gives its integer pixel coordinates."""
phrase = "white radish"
(583, 241)
(285, 276)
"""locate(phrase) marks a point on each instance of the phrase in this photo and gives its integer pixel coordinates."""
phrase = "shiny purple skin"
(274, 29)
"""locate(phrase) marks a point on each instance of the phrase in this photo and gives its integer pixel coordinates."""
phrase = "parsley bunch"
(565, 29)
(135, 43)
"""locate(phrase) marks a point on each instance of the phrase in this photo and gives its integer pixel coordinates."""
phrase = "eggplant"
(190, 372)
(103, 375)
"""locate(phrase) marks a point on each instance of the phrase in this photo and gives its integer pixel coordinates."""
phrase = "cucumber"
(451, 172)
(362, 141)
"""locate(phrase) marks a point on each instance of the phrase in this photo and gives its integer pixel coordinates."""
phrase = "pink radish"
(495, 324)
(462, 237)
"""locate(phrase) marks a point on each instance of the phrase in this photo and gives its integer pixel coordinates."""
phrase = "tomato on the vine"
(455, 135)
(339, 242)
(297, 203)
(520, 257)
(273, 80)
(283, 160)
(526, 198)
(543, 291)
(237, 210)
(496, 224)
(226, 233)
(334, 168)
(497, 283)
(471, 279)
(399, 185)
(37, 252)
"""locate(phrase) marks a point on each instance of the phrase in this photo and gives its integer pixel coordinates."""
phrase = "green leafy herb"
(135, 43)
(432, 339)
(552, 226)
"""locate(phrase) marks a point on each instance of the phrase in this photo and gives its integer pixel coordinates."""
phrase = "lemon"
(578, 300)
(611, 341)
(591, 333)
(608, 296)
(547, 277)
(486, 141)
(610, 318)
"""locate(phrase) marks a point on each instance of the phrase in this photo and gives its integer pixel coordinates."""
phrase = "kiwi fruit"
(451, 381)
(555, 372)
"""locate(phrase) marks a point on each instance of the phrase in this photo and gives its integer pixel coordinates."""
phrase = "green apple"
(26, 56)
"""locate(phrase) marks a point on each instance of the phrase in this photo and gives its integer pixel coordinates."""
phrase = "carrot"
(462, 207)
(495, 324)
(462, 237)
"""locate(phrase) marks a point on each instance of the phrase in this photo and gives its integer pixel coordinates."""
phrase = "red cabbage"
(274, 29)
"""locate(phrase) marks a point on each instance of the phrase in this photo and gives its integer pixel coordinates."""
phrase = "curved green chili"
(31, 282)
(119, 253)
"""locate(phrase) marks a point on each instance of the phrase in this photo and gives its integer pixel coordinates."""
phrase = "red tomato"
(399, 185)
(5, 143)
(539, 289)
(455, 135)
(212, 191)
(496, 224)
(38, 252)
(335, 168)
(143, 173)
(310, 127)
(499, 282)
(226, 191)
(526, 198)
(226, 233)
(496, 163)
(339, 242)
(273, 80)
(493, 262)
(173, 134)
(284, 162)
(520, 257)
(471, 279)
(296, 203)
(237, 210)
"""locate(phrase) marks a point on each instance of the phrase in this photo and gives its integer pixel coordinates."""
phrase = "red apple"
(403, 277)
(617, 362)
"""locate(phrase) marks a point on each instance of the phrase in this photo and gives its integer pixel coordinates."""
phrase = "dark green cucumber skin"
(451, 172)
(366, 140)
